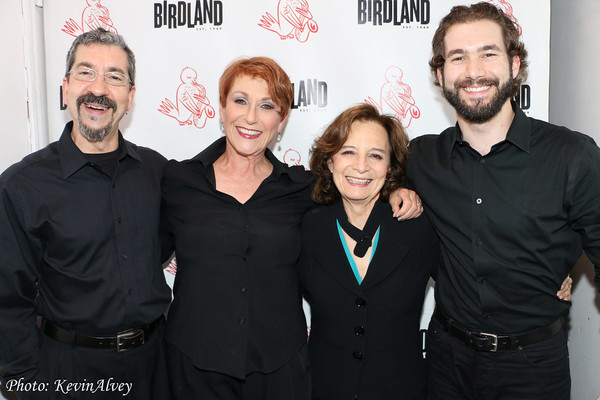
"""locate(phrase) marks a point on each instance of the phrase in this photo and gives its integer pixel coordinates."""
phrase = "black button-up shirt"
(237, 306)
(512, 223)
(90, 241)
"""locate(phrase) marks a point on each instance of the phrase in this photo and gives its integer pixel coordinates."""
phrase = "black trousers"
(73, 372)
(289, 382)
(539, 371)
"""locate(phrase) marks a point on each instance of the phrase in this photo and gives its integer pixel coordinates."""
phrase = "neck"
(106, 145)
(483, 136)
(358, 211)
(240, 165)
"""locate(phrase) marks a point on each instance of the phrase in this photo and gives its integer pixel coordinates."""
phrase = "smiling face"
(361, 166)
(477, 76)
(251, 119)
(97, 107)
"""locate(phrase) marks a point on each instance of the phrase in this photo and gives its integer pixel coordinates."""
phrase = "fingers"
(411, 207)
(564, 293)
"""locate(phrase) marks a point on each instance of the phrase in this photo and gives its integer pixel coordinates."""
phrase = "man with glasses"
(82, 291)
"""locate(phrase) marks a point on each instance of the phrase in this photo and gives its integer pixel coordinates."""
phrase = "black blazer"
(365, 339)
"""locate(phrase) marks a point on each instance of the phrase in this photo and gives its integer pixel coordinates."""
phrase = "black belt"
(122, 341)
(484, 341)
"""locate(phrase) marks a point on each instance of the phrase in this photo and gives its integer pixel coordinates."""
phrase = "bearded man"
(82, 291)
(514, 200)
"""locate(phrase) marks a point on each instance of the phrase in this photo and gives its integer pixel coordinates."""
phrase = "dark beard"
(94, 135)
(479, 113)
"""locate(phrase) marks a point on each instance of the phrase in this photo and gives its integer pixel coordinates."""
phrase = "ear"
(282, 123)
(440, 76)
(65, 86)
(131, 95)
(516, 66)
(221, 112)
(330, 164)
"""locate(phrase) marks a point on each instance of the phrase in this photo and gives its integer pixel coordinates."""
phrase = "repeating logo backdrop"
(337, 52)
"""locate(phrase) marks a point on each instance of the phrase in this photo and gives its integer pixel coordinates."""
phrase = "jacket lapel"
(330, 254)
(388, 255)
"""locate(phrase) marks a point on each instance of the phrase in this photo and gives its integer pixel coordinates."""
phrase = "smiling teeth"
(249, 132)
(477, 89)
(95, 107)
(358, 181)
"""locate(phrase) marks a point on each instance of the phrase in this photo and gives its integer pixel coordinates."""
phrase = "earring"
(222, 126)
(278, 137)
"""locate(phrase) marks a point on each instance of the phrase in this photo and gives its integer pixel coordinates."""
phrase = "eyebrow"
(479, 50)
(91, 66)
(268, 98)
(349, 146)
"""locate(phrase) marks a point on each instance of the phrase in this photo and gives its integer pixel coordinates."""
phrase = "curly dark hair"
(334, 137)
(477, 12)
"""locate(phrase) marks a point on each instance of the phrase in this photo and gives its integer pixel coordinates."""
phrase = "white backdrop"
(336, 52)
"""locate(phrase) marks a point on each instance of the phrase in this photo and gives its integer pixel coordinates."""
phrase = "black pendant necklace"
(364, 237)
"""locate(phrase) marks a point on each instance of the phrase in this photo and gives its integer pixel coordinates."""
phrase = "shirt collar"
(209, 155)
(519, 132)
(72, 159)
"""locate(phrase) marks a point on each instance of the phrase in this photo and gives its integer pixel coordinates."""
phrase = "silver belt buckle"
(131, 336)
(494, 342)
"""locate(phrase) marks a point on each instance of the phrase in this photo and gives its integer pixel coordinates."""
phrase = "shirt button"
(243, 290)
(482, 161)
(478, 201)
(124, 256)
(359, 330)
(242, 321)
(488, 316)
(358, 356)
(360, 302)
(477, 242)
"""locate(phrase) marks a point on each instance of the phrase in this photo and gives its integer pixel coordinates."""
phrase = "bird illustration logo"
(293, 21)
(191, 106)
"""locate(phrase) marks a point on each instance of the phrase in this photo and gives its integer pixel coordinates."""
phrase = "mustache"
(476, 82)
(92, 98)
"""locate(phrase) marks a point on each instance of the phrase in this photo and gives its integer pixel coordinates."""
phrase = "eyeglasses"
(89, 75)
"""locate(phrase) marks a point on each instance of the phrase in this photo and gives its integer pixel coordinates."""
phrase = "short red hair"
(278, 82)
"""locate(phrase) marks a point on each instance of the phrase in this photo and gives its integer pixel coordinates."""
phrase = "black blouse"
(237, 306)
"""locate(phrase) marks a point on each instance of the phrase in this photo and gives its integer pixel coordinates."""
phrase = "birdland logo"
(293, 20)
(94, 16)
(395, 97)
(191, 105)
(394, 12)
(310, 94)
(191, 15)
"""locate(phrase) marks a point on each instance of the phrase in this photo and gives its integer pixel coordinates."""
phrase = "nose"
(98, 86)
(251, 114)
(361, 164)
(474, 68)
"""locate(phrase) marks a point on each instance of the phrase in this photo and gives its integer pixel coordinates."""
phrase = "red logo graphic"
(396, 97)
(191, 104)
(508, 10)
(95, 15)
(293, 20)
(172, 267)
(292, 157)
